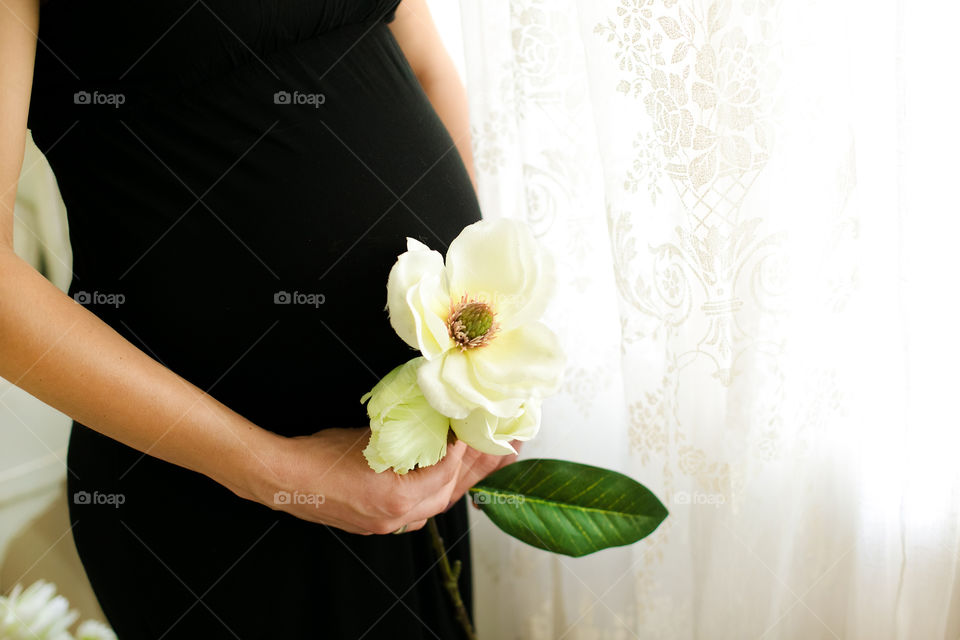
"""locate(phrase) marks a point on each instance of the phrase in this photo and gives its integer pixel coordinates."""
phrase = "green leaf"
(568, 508)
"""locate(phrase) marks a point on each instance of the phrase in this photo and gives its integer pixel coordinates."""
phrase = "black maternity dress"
(239, 178)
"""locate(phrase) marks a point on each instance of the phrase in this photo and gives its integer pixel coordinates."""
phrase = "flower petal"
(441, 396)
(392, 389)
(487, 433)
(416, 294)
(412, 435)
(376, 460)
(478, 430)
(426, 301)
(527, 361)
(500, 262)
(451, 388)
(525, 426)
(94, 630)
(405, 431)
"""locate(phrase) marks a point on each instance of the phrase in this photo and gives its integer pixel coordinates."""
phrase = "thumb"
(435, 478)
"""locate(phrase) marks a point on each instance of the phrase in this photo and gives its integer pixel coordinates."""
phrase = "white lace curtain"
(751, 204)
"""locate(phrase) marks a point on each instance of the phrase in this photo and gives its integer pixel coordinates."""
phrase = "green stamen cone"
(476, 319)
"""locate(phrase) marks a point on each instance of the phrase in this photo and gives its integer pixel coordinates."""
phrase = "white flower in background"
(405, 431)
(475, 319)
(38, 613)
(35, 613)
(93, 630)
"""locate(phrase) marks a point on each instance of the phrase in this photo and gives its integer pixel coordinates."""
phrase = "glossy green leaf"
(568, 508)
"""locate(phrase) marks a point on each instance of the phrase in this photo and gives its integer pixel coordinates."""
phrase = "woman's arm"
(64, 355)
(417, 35)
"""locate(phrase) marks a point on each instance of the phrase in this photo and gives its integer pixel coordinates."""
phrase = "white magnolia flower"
(405, 431)
(475, 319)
(93, 630)
(35, 613)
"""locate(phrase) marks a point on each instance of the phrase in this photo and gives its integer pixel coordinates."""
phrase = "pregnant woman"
(239, 177)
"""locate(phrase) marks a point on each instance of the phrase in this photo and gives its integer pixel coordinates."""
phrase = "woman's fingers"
(477, 466)
(437, 502)
(426, 481)
(359, 501)
(414, 526)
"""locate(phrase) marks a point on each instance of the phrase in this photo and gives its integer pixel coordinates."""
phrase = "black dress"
(239, 178)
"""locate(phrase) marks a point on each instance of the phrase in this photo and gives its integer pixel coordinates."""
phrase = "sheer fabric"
(751, 207)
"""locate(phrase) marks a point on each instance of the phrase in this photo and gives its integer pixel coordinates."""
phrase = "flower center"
(471, 323)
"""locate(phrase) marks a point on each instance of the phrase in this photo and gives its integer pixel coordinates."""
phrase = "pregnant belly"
(242, 232)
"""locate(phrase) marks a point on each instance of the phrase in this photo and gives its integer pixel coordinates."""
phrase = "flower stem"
(450, 576)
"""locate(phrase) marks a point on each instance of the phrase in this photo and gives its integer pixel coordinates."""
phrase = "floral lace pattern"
(635, 137)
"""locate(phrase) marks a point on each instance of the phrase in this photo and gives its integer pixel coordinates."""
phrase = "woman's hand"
(476, 466)
(324, 478)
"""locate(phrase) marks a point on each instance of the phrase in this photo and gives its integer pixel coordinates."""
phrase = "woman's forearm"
(64, 355)
(67, 357)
